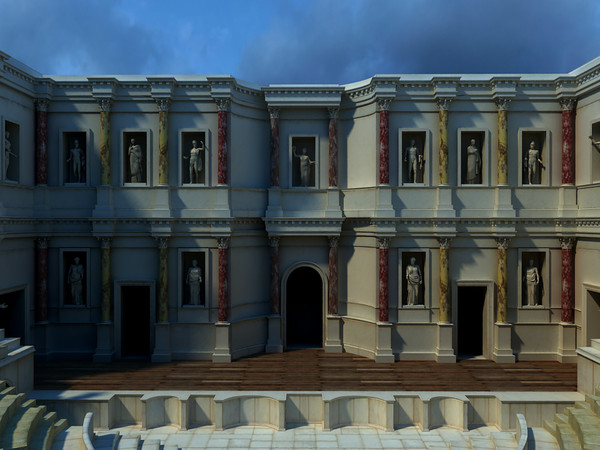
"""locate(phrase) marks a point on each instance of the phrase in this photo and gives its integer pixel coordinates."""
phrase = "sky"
(300, 41)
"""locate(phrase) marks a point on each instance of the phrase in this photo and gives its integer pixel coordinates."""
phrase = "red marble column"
(223, 245)
(163, 280)
(105, 306)
(41, 280)
(383, 106)
(567, 279)
(223, 116)
(333, 147)
(274, 244)
(41, 141)
(568, 167)
(332, 308)
(383, 279)
(274, 122)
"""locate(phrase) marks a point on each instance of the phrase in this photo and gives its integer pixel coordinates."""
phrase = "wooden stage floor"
(307, 369)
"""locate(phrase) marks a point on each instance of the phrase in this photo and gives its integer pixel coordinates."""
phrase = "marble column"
(383, 297)
(163, 279)
(568, 156)
(274, 123)
(223, 245)
(333, 147)
(501, 307)
(275, 302)
(567, 279)
(41, 141)
(332, 308)
(445, 305)
(41, 280)
(163, 139)
(104, 104)
(105, 305)
(443, 104)
(383, 107)
(502, 103)
(223, 119)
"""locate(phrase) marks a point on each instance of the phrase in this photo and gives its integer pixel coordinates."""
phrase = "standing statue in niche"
(532, 278)
(77, 160)
(533, 164)
(7, 152)
(414, 279)
(193, 280)
(414, 161)
(75, 280)
(473, 164)
(136, 158)
(305, 166)
(195, 161)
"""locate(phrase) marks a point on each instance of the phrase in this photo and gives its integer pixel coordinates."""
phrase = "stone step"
(151, 444)
(583, 405)
(8, 391)
(551, 427)
(11, 343)
(9, 405)
(594, 401)
(567, 439)
(561, 418)
(1, 333)
(586, 425)
(44, 435)
(20, 428)
(128, 442)
(596, 344)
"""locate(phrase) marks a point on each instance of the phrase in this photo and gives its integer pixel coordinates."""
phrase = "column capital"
(42, 242)
(383, 243)
(444, 242)
(502, 242)
(333, 241)
(567, 103)
(104, 103)
(163, 103)
(163, 242)
(273, 112)
(383, 103)
(443, 103)
(333, 112)
(105, 242)
(223, 243)
(502, 103)
(274, 241)
(223, 104)
(568, 243)
(41, 104)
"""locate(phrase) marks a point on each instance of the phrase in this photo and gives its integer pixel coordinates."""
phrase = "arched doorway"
(304, 308)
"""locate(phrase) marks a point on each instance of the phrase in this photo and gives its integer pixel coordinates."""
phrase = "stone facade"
(203, 217)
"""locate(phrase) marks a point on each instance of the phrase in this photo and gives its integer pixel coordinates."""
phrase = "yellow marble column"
(104, 104)
(163, 140)
(501, 307)
(443, 105)
(502, 104)
(445, 305)
(163, 280)
(105, 305)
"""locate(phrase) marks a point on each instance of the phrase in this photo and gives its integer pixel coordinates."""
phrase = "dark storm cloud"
(337, 42)
(77, 37)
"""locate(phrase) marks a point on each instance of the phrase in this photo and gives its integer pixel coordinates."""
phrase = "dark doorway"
(304, 309)
(135, 321)
(12, 314)
(469, 322)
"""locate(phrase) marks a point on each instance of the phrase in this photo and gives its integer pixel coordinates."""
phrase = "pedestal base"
(445, 350)
(333, 343)
(162, 346)
(383, 352)
(222, 352)
(105, 351)
(567, 343)
(502, 348)
(274, 344)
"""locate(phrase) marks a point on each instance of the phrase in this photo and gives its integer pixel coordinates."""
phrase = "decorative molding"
(444, 242)
(163, 242)
(274, 241)
(105, 242)
(502, 103)
(502, 242)
(567, 103)
(273, 113)
(383, 104)
(568, 243)
(223, 104)
(334, 241)
(443, 103)
(104, 103)
(223, 243)
(163, 103)
(42, 242)
(383, 243)
(41, 104)
(333, 112)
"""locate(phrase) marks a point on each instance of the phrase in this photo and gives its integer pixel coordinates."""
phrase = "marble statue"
(75, 280)
(532, 277)
(195, 161)
(305, 163)
(77, 160)
(414, 161)
(193, 280)
(136, 158)
(7, 152)
(414, 280)
(473, 164)
(533, 164)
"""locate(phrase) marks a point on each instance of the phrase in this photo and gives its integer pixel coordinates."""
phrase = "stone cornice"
(326, 96)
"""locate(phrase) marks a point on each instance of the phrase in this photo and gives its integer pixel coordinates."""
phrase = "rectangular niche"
(532, 155)
(136, 161)
(304, 164)
(193, 161)
(11, 154)
(532, 277)
(75, 283)
(595, 149)
(193, 286)
(473, 169)
(74, 145)
(414, 158)
(409, 271)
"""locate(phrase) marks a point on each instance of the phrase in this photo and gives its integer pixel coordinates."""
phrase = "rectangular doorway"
(135, 321)
(592, 317)
(12, 314)
(470, 322)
